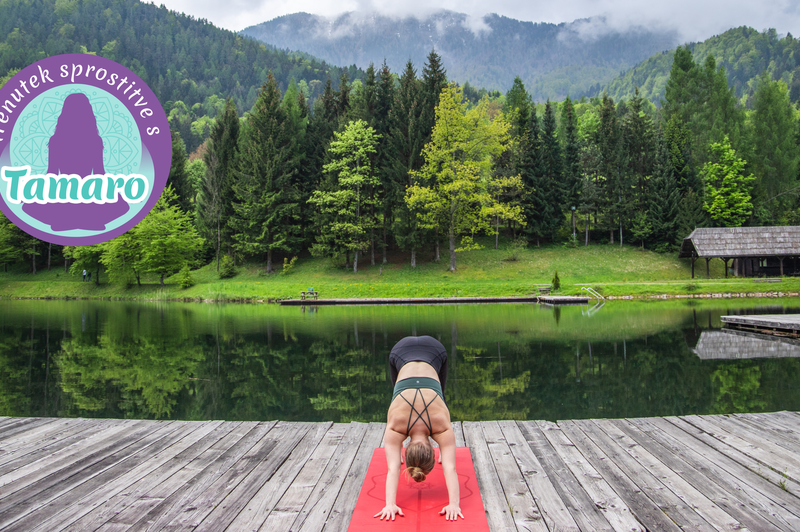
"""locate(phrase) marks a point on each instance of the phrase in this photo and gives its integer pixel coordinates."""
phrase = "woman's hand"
(451, 512)
(390, 511)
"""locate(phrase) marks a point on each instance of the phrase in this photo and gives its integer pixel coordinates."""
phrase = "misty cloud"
(693, 19)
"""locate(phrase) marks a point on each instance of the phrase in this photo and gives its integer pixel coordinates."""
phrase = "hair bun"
(416, 473)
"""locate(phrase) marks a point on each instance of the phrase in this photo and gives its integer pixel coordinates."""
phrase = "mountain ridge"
(552, 59)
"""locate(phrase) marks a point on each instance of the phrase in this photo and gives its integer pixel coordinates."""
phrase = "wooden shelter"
(755, 251)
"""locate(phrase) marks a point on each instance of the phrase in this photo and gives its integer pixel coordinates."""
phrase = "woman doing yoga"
(418, 366)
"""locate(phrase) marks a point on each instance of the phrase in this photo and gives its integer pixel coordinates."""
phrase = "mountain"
(744, 52)
(553, 60)
(181, 58)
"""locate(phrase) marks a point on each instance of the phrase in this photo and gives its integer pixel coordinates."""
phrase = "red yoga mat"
(421, 502)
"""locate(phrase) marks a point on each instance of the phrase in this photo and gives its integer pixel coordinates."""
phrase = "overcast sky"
(694, 19)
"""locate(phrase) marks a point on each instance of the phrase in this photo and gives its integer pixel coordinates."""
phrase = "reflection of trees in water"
(159, 361)
(137, 376)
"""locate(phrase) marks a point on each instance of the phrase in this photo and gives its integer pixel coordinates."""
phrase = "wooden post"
(693, 259)
(708, 274)
(781, 259)
(725, 261)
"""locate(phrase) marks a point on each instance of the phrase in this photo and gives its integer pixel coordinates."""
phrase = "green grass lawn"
(611, 270)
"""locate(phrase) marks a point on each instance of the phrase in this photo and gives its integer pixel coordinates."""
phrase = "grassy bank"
(611, 270)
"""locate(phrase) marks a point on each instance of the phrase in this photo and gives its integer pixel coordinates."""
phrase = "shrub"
(227, 268)
(185, 278)
(288, 265)
(514, 249)
(556, 282)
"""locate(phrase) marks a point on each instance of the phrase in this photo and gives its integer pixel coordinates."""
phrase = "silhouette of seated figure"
(76, 148)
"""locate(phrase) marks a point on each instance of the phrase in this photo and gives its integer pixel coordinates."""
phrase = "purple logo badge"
(85, 149)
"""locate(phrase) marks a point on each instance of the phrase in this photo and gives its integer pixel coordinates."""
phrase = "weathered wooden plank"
(773, 424)
(772, 456)
(65, 507)
(258, 508)
(732, 486)
(345, 504)
(615, 510)
(36, 437)
(76, 434)
(23, 425)
(75, 509)
(651, 504)
(266, 455)
(524, 508)
(498, 512)
(317, 508)
(179, 500)
(43, 491)
(757, 432)
(459, 432)
(582, 508)
(690, 506)
(553, 510)
(264, 494)
(96, 447)
(144, 486)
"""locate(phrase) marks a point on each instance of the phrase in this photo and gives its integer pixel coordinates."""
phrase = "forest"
(404, 163)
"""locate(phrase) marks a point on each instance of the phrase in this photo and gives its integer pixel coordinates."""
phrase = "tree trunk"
(97, 276)
(372, 245)
(162, 280)
(66, 264)
(437, 257)
(269, 261)
(611, 232)
(384, 243)
(587, 229)
(620, 233)
(497, 231)
(49, 249)
(33, 259)
(219, 242)
(413, 258)
(347, 259)
(355, 262)
(452, 250)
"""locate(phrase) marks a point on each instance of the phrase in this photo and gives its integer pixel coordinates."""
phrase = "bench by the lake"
(309, 294)
(675, 473)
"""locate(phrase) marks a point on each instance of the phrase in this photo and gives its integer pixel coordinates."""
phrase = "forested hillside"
(190, 64)
(553, 60)
(744, 52)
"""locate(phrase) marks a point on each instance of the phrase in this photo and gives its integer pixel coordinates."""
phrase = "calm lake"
(262, 362)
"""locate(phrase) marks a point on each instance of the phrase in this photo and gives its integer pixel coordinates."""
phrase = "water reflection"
(259, 362)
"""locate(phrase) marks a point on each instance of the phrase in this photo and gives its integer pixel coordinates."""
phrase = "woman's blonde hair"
(420, 460)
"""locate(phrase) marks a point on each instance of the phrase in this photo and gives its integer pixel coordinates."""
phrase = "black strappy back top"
(418, 383)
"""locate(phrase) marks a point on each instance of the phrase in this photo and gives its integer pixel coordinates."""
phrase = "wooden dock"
(776, 324)
(739, 472)
(728, 344)
(563, 300)
(408, 301)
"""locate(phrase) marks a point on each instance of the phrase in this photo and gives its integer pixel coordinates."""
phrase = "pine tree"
(609, 142)
(517, 107)
(776, 155)
(637, 131)
(267, 213)
(215, 200)
(572, 161)
(678, 140)
(553, 172)
(434, 80)
(407, 141)
(664, 204)
(346, 228)
(384, 98)
(536, 203)
(178, 177)
(342, 96)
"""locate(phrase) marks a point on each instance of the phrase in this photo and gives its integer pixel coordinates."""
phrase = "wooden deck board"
(723, 473)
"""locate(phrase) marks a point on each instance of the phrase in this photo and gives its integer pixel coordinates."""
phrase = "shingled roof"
(731, 242)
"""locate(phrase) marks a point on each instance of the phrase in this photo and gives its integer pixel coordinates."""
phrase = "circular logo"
(85, 149)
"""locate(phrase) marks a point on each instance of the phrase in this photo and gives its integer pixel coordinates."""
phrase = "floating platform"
(563, 300)
(787, 325)
(674, 473)
(409, 301)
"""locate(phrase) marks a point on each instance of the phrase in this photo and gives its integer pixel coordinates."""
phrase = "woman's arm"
(393, 443)
(447, 453)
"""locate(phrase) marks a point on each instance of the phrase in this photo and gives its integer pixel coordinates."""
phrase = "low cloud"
(694, 20)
